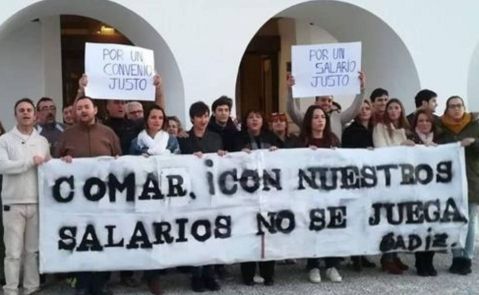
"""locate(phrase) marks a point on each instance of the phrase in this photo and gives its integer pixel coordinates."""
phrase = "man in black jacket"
(221, 123)
(200, 140)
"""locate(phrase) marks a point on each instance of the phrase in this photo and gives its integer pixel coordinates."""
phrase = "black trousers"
(328, 262)
(206, 271)
(92, 282)
(424, 259)
(266, 270)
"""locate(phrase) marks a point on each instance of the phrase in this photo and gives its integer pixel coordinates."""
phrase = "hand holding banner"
(326, 69)
(119, 72)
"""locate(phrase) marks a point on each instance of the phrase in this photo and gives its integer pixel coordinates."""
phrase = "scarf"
(425, 138)
(156, 145)
(456, 126)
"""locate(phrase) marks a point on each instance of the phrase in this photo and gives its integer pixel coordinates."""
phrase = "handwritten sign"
(119, 72)
(141, 213)
(326, 69)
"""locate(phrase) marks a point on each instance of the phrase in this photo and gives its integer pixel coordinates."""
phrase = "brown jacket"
(81, 141)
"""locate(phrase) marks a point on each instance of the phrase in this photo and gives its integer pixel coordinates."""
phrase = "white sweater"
(20, 184)
(382, 137)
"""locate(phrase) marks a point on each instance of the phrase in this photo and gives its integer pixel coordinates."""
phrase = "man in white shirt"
(22, 150)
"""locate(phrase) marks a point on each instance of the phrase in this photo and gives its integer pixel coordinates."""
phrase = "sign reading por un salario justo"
(157, 212)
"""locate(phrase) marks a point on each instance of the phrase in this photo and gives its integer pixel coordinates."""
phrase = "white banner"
(135, 213)
(119, 72)
(326, 69)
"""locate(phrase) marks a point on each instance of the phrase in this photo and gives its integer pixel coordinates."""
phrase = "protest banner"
(140, 213)
(119, 72)
(326, 69)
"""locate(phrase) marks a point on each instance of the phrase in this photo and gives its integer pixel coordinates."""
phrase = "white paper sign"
(137, 213)
(326, 69)
(119, 72)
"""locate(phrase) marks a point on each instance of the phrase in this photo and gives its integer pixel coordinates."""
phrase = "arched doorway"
(30, 50)
(386, 59)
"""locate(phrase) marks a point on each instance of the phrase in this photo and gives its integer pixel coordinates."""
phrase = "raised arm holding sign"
(119, 72)
(326, 69)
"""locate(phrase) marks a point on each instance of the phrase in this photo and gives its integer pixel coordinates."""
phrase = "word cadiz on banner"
(138, 213)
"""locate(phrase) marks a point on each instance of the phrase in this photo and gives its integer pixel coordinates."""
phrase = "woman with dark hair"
(393, 131)
(154, 140)
(278, 123)
(255, 135)
(360, 135)
(316, 133)
(456, 124)
(424, 133)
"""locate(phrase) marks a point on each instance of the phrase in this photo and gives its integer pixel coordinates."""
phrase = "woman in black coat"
(360, 135)
(255, 136)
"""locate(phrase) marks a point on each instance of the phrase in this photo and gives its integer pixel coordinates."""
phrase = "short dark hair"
(424, 95)
(377, 93)
(198, 109)
(25, 99)
(223, 100)
(148, 112)
(85, 97)
(43, 99)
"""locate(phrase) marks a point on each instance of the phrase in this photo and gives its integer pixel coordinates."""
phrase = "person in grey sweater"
(338, 119)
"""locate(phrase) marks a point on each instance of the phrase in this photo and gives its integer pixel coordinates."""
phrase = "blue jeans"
(468, 250)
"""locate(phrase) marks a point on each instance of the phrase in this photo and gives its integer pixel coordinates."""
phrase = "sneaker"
(314, 276)
(333, 275)
(258, 279)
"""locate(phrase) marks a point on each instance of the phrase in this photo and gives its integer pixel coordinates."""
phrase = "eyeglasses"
(48, 108)
(456, 106)
(278, 117)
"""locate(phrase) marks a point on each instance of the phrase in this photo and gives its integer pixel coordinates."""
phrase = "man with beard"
(22, 150)
(125, 128)
(88, 138)
(47, 125)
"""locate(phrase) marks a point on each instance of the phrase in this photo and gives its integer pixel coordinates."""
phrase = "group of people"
(130, 129)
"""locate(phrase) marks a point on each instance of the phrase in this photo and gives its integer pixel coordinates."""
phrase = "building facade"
(201, 45)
